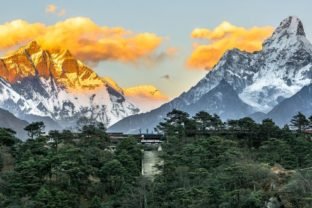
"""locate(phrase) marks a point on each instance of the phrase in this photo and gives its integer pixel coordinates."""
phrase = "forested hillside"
(206, 163)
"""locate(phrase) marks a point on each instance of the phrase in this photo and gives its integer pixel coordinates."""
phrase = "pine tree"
(299, 122)
(35, 129)
(203, 121)
(175, 123)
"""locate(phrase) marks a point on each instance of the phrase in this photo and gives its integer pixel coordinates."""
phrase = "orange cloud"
(146, 97)
(84, 38)
(18, 32)
(224, 37)
(145, 91)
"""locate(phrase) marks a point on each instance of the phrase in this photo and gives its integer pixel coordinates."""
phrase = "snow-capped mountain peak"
(53, 83)
(288, 35)
(291, 25)
(266, 77)
(261, 79)
(283, 66)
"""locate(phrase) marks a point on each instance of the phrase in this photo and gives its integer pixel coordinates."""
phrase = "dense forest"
(206, 163)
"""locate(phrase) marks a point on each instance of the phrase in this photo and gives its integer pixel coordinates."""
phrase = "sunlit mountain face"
(55, 84)
(32, 61)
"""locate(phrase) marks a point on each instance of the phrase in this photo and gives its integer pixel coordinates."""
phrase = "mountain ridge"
(55, 84)
(261, 79)
(300, 102)
(8, 120)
